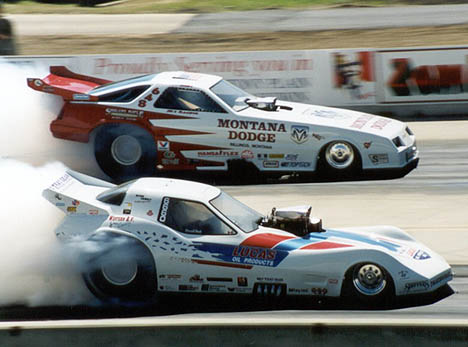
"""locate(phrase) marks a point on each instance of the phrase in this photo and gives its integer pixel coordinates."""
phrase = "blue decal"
(421, 255)
(243, 254)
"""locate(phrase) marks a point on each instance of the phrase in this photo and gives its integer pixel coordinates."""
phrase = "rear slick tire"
(121, 270)
(125, 152)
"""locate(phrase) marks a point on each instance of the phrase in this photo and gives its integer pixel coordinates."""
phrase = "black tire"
(374, 289)
(120, 270)
(124, 152)
(339, 159)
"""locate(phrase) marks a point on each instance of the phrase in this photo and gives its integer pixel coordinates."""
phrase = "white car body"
(199, 122)
(262, 261)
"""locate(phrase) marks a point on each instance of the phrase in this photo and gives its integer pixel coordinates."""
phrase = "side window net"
(191, 218)
(125, 95)
(187, 100)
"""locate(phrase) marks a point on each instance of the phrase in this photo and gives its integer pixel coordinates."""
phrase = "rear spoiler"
(75, 194)
(67, 84)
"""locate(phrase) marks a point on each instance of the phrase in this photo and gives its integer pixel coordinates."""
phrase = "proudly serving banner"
(398, 82)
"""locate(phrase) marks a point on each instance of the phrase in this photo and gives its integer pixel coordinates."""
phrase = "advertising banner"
(288, 75)
(424, 75)
(349, 78)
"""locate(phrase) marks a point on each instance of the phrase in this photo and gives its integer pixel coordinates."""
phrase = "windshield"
(115, 85)
(241, 215)
(231, 95)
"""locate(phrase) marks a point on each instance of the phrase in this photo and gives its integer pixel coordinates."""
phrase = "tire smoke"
(36, 268)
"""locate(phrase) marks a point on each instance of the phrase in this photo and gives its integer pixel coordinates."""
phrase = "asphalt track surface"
(241, 22)
(430, 203)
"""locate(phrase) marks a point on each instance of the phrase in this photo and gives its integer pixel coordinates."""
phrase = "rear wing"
(67, 84)
(75, 194)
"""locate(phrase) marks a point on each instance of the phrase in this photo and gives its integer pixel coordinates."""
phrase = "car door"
(190, 127)
(206, 263)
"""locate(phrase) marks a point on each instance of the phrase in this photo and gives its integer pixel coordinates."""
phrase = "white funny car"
(164, 235)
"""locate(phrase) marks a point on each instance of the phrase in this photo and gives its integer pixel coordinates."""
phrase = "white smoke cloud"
(36, 269)
(25, 117)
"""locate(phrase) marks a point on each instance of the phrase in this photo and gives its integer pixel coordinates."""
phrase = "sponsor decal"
(163, 146)
(264, 131)
(291, 157)
(417, 286)
(187, 287)
(170, 277)
(333, 281)
(247, 154)
(219, 153)
(237, 144)
(299, 133)
(361, 121)
(327, 114)
(367, 144)
(59, 204)
(163, 211)
(239, 290)
(128, 219)
(169, 155)
(377, 159)
(128, 208)
(319, 291)
(218, 288)
(269, 279)
(298, 291)
(170, 161)
(81, 97)
(317, 136)
(75, 202)
(219, 279)
(196, 278)
(403, 274)
(242, 281)
(58, 184)
(381, 123)
(71, 209)
(58, 196)
(124, 113)
(38, 83)
(296, 164)
(254, 145)
(421, 255)
(93, 212)
(242, 256)
(276, 156)
(150, 213)
(270, 164)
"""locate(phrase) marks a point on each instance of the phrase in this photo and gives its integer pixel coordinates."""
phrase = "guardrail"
(237, 332)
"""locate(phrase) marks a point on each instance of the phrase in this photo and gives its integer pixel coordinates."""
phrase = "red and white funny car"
(179, 121)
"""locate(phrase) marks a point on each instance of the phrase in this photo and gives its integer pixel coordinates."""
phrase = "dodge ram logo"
(299, 133)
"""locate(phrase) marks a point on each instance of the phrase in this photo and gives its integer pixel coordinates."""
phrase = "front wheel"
(339, 159)
(125, 152)
(120, 270)
(369, 283)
